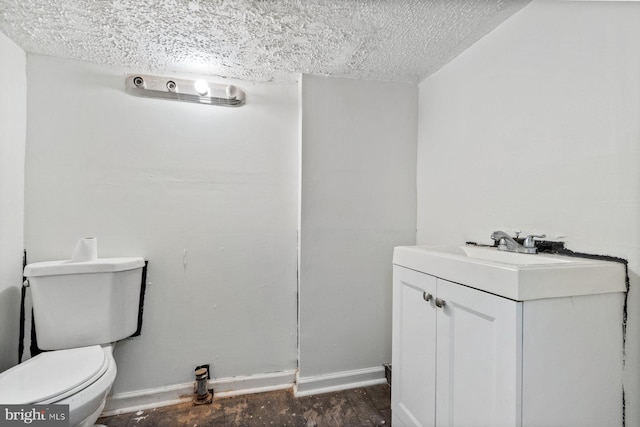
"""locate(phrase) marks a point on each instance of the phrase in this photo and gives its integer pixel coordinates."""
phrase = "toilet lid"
(52, 374)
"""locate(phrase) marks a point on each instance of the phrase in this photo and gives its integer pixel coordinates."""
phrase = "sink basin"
(513, 275)
(492, 254)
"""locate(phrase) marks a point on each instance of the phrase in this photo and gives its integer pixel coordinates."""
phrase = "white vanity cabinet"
(464, 357)
(455, 364)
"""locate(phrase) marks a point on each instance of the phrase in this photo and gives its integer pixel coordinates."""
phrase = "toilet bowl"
(80, 309)
(78, 377)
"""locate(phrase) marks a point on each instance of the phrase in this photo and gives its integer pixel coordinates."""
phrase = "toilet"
(80, 310)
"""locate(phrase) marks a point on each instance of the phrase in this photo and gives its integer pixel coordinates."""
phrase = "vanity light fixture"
(199, 91)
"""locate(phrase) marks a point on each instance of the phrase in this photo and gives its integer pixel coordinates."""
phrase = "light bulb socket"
(138, 81)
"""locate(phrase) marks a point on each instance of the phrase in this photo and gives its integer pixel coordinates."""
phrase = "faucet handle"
(529, 242)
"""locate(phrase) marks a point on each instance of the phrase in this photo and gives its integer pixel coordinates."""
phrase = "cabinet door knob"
(440, 303)
(426, 296)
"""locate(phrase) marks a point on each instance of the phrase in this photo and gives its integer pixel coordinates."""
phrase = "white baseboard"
(344, 380)
(134, 401)
(121, 403)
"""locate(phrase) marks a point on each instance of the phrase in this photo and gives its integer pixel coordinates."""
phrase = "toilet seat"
(52, 376)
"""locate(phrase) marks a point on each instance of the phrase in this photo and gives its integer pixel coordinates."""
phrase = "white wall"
(357, 203)
(536, 127)
(13, 126)
(154, 178)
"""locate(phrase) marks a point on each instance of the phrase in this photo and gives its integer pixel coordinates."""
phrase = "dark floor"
(359, 407)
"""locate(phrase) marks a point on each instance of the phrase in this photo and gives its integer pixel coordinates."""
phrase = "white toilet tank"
(77, 304)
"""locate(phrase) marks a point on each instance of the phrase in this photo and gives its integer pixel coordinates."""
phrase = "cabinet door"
(413, 359)
(479, 347)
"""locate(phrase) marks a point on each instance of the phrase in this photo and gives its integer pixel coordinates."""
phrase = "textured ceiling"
(401, 40)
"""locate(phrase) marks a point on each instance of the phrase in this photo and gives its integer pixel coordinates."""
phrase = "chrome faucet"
(508, 243)
(505, 242)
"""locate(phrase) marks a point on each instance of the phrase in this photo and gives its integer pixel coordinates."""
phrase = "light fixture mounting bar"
(197, 91)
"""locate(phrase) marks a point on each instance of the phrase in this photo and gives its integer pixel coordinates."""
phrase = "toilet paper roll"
(86, 250)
